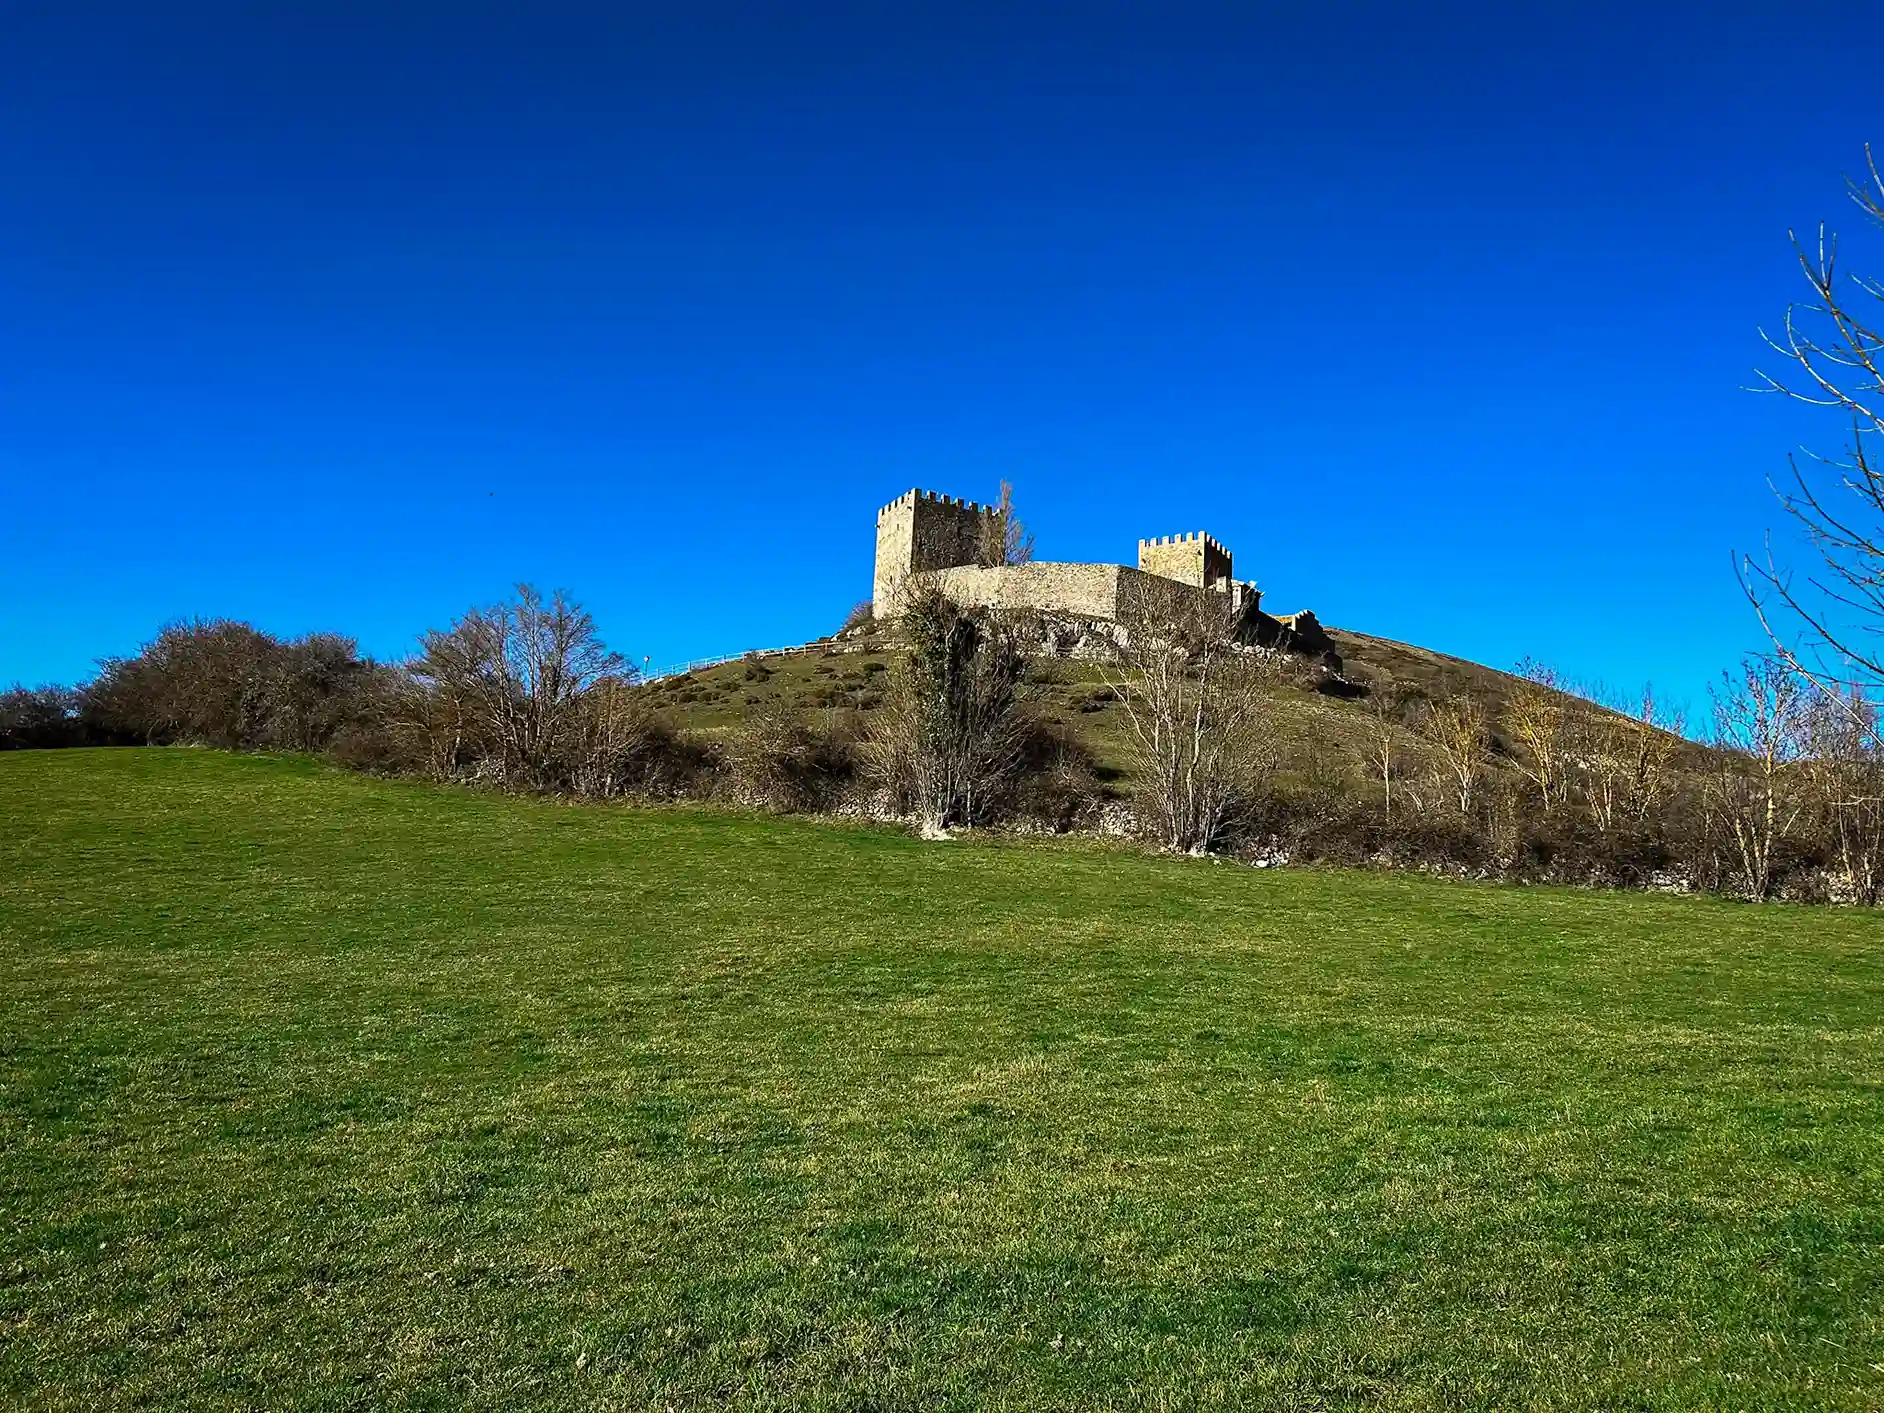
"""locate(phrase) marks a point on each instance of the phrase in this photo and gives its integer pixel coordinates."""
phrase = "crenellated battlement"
(1195, 536)
(911, 497)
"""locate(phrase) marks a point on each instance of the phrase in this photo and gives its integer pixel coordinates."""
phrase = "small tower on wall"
(920, 531)
(1193, 559)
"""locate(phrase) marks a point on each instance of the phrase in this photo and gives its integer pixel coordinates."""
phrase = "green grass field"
(322, 1092)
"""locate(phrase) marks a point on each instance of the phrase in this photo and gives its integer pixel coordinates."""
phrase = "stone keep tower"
(1194, 559)
(919, 531)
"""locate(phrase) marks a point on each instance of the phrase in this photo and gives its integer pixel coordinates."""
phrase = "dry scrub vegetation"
(1185, 737)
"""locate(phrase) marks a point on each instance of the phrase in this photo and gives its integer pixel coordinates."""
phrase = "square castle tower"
(1193, 559)
(920, 531)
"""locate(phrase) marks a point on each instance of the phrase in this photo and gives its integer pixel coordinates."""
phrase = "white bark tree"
(1753, 788)
(1625, 756)
(1538, 719)
(1458, 732)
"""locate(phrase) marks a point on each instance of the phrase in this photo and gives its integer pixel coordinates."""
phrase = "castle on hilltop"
(925, 538)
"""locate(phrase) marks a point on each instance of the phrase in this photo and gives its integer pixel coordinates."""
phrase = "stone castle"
(923, 538)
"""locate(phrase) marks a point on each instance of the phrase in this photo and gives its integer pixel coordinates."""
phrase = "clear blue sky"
(351, 315)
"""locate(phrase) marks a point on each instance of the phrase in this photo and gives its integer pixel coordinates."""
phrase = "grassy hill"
(322, 1091)
(851, 675)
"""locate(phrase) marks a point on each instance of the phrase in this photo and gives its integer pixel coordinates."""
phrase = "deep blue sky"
(350, 316)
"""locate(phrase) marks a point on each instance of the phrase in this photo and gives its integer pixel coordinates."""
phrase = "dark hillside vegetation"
(325, 1091)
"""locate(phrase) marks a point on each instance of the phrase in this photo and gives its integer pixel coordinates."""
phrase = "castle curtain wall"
(1076, 590)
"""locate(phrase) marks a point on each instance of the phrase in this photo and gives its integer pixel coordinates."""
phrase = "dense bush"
(219, 683)
(40, 718)
(952, 738)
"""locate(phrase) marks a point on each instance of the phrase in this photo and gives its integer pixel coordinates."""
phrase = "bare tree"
(1829, 626)
(1003, 538)
(1201, 711)
(954, 730)
(1844, 764)
(1752, 788)
(1625, 756)
(1457, 731)
(508, 681)
(1538, 718)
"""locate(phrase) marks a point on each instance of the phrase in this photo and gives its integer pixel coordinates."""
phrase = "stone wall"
(1108, 593)
(1075, 590)
(1114, 593)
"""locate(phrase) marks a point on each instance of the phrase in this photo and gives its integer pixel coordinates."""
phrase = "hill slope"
(850, 674)
(327, 1091)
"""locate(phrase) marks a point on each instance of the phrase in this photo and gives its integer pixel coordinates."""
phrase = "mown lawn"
(322, 1092)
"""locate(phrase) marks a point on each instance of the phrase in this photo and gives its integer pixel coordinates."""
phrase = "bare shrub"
(316, 686)
(201, 681)
(1433, 834)
(1057, 785)
(785, 761)
(42, 718)
(364, 736)
(1202, 715)
(369, 745)
(1320, 814)
(622, 744)
(228, 684)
